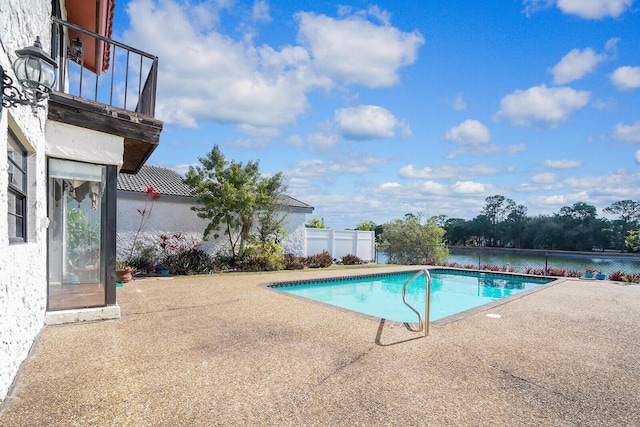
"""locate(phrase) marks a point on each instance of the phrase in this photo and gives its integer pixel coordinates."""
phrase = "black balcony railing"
(102, 70)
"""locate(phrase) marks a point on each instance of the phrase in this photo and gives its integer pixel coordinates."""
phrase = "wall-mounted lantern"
(36, 71)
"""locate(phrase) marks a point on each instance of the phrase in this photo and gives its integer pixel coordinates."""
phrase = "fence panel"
(340, 242)
(318, 240)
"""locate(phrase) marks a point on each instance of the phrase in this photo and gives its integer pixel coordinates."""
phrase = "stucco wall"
(23, 288)
(174, 215)
(294, 241)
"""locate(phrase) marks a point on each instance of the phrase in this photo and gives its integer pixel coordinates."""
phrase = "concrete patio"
(223, 350)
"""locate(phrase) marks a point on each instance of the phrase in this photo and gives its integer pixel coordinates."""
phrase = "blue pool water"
(452, 292)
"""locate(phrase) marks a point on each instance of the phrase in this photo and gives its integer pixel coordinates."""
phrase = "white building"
(58, 181)
(171, 213)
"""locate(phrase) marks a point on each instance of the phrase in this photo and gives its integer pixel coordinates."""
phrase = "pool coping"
(410, 325)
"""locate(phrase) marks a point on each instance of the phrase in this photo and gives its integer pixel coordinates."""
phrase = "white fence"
(340, 242)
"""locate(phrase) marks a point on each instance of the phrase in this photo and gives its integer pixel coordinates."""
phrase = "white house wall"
(23, 284)
(172, 215)
(165, 217)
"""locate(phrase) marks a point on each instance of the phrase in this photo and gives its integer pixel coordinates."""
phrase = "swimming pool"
(380, 295)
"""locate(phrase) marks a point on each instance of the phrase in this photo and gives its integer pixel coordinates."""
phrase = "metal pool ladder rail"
(422, 324)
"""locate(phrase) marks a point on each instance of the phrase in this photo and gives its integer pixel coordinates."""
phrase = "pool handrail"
(422, 324)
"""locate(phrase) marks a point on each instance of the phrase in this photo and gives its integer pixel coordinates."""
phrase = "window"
(17, 193)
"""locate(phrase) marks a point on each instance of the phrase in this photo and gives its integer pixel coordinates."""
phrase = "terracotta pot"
(123, 276)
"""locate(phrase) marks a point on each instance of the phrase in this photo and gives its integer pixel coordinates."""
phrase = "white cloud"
(587, 9)
(544, 178)
(410, 171)
(261, 11)
(182, 168)
(468, 132)
(389, 185)
(605, 105)
(615, 185)
(551, 203)
(575, 64)
(637, 156)
(295, 140)
(532, 6)
(261, 135)
(429, 187)
(206, 75)
(611, 46)
(626, 78)
(404, 198)
(354, 50)
(473, 137)
(405, 130)
(517, 148)
(459, 103)
(258, 131)
(321, 141)
(309, 172)
(627, 133)
(594, 9)
(563, 164)
(207, 14)
(380, 14)
(447, 171)
(541, 106)
(365, 122)
(468, 187)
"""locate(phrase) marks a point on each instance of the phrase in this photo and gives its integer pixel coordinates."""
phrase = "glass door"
(75, 235)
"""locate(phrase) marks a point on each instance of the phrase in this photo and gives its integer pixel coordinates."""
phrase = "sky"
(373, 110)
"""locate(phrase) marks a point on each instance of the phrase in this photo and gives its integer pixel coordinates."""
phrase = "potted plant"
(124, 272)
(600, 275)
(589, 273)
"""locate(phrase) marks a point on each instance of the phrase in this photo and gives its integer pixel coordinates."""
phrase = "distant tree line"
(503, 223)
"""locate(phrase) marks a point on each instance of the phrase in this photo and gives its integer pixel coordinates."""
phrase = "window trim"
(20, 194)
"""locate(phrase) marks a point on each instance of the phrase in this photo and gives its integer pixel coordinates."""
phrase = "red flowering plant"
(175, 244)
(176, 250)
(145, 213)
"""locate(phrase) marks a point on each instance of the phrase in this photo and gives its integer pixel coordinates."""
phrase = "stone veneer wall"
(23, 283)
(171, 215)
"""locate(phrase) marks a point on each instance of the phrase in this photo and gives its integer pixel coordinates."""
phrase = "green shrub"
(224, 261)
(263, 256)
(350, 259)
(292, 262)
(191, 261)
(322, 260)
(144, 257)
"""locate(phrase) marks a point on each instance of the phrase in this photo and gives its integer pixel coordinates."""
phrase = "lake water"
(605, 262)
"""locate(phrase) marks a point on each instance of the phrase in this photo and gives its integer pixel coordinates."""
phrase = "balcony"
(106, 86)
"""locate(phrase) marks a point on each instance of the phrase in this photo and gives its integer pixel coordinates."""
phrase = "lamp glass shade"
(35, 69)
(20, 68)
